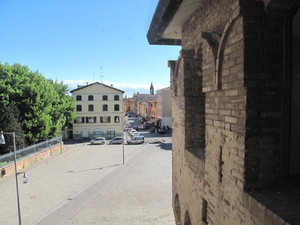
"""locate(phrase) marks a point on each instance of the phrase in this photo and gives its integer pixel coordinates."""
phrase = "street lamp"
(25, 179)
(123, 146)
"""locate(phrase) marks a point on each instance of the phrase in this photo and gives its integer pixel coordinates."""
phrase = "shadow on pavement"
(165, 146)
(79, 171)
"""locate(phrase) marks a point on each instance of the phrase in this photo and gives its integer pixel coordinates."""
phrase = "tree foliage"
(9, 121)
(41, 107)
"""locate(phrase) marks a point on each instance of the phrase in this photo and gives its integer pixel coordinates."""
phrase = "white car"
(133, 133)
(136, 140)
(98, 140)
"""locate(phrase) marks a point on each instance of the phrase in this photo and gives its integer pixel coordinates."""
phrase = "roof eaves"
(162, 17)
(96, 83)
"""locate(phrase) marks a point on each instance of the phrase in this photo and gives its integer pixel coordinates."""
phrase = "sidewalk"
(138, 192)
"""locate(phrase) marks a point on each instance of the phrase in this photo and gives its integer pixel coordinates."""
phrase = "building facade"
(164, 107)
(235, 106)
(99, 111)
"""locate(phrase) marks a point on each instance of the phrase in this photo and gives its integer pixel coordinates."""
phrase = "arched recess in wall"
(111, 133)
(85, 133)
(221, 47)
(98, 133)
(177, 211)
(217, 43)
(187, 219)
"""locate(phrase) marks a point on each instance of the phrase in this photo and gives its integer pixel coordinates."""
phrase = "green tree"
(9, 123)
(63, 106)
(44, 106)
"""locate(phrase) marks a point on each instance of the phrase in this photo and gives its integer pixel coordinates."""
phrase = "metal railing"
(28, 151)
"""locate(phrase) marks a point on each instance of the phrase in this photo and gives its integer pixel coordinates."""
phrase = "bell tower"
(151, 89)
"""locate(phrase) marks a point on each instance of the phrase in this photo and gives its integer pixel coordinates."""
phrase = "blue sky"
(79, 41)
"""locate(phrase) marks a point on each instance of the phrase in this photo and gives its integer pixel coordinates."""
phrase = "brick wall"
(28, 161)
(227, 89)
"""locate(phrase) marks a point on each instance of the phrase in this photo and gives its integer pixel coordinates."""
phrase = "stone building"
(132, 104)
(99, 111)
(235, 105)
(147, 106)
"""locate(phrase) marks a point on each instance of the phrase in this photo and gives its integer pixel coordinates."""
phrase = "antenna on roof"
(101, 75)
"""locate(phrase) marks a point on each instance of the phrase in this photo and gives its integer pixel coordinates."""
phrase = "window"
(91, 119)
(117, 119)
(116, 98)
(78, 108)
(91, 97)
(78, 97)
(79, 120)
(104, 98)
(105, 108)
(104, 119)
(117, 107)
(91, 107)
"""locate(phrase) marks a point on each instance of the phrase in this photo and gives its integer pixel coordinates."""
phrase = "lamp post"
(123, 126)
(2, 141)
(123, 147)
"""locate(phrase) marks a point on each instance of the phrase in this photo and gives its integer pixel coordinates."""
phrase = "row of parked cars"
(102, 141)
(118, 140)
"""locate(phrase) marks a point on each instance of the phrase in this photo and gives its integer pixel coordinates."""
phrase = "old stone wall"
(229, 71)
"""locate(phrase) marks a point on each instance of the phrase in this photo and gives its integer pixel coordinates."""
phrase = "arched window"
(98, 133)
(187, 219)
(85, 134)
(91, 107)
(78, 97)
(105, 108)
(111, 133)
(116, 97)
(104, 97)
(117, 107)
(78, 108)
(91, 97)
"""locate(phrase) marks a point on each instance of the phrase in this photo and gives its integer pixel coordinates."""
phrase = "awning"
(153, 120)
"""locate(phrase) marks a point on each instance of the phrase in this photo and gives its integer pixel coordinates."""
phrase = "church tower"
(151, 89)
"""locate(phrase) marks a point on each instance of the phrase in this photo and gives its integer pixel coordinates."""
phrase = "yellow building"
(99, 111)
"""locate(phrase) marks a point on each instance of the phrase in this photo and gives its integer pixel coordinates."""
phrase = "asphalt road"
(89, 184)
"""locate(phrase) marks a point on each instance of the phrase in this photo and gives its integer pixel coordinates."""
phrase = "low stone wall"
(30, 160)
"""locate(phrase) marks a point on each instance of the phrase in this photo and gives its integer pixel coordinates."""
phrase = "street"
(88, 184)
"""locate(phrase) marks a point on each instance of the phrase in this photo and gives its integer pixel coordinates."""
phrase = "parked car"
(136, 140)
(117, 140)
(133, 132)
(152, 129)
(98, 140)
(143, 126)
(161, 131)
